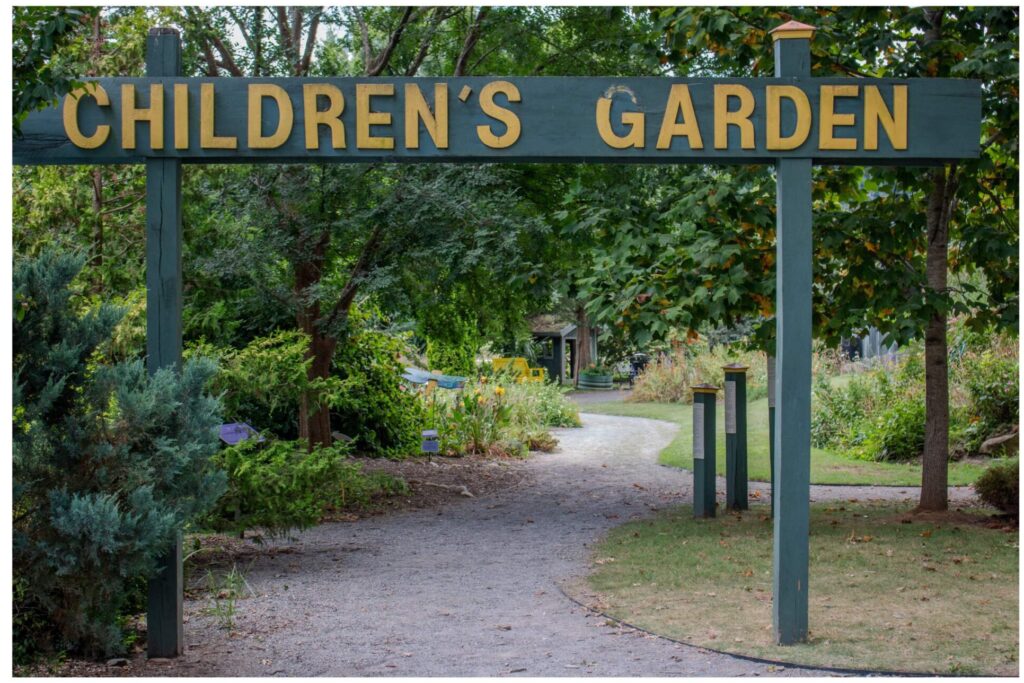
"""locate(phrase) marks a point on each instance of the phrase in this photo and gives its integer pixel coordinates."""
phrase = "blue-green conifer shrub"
(109, 464)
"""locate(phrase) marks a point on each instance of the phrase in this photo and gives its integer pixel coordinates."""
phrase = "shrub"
(381, 416)
(452, 339)
(541, 404)
(109, 464)
(499, 416)
(281, 486)
(669, 379)
(263, 383)
(897, 433)
(999, 487)
(838, 412)
(879, 413)
(991, 382)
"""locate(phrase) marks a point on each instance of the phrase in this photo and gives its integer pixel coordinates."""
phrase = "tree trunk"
(583, 357)
(314, 422)
(935, 460)
(319, 421)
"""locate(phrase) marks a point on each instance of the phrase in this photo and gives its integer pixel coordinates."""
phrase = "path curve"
(471, 589)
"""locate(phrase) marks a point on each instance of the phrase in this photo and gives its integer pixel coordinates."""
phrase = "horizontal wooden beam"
(480, 119)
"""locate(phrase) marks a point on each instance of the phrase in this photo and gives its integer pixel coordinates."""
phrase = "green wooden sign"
(660, 120)
(791, 121)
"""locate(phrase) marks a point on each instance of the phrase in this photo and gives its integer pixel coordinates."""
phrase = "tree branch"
(381, 61)
(471, 39)
(307, 56)
(227, 61)
(348, 292)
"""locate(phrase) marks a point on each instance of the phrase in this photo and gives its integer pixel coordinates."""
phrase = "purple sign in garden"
(235, 432)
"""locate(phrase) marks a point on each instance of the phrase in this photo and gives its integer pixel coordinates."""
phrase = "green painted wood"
(771, 426)
(736, 478)
(793, 381)
(558, 118)
(165, 631)
(704, 477)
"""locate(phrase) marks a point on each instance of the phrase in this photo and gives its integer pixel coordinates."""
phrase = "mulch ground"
(440, 481)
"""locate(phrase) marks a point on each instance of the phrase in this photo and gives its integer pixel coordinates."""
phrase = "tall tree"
(883, 236)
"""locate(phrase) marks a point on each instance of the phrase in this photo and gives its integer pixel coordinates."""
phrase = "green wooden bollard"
(164, 615)
(771, 425)
(793, 287)
(735, 437)
(704, 400)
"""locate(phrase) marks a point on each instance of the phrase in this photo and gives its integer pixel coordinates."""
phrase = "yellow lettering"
(416, 110)
(330, 117)
(828, 119)
(506, 116)
(366, 118)
(257, 92)
(739, 118)
(894, 122)
(774, 139)
(207, 138)
(679, 102)
(70, 112)
(130, 115)
(633, 119)
(180, 116)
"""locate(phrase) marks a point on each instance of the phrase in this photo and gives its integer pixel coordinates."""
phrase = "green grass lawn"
(827, 467)
(888, 590)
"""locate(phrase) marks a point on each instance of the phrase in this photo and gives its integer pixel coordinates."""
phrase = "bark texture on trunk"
(583, 358)
(935, 459)
(314, 421)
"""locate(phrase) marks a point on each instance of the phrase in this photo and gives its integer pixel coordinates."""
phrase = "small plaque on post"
(730, 407)
(698, 430)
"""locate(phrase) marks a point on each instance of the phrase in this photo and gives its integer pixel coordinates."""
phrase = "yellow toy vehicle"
(519, 368)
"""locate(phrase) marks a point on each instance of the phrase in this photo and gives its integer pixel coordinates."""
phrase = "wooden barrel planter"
(594, 381)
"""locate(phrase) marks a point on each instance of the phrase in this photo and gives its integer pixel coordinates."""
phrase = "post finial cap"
(705, 389)
(793, 29)
(735, 367)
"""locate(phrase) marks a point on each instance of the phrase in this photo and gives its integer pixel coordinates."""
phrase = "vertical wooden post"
(163, 332)
(736, 490)
(704, 401)
(771, 425)
(793, 353)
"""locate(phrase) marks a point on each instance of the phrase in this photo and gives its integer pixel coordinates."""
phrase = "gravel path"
(471, 589)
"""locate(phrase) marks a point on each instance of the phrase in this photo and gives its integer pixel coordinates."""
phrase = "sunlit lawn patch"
(886, 593)
(827, 467)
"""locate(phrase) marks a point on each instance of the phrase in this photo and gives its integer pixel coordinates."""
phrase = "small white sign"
(730, 407)
(698, 430)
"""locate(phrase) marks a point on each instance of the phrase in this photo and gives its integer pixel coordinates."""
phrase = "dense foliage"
(670, 378)
(999, 487)
(378, 412)
(281, 486)
(109, 462)
(879, 414)
(498, 416)
(262, 383)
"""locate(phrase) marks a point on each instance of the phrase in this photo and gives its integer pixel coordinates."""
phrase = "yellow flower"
(481, 400)
(500, 391)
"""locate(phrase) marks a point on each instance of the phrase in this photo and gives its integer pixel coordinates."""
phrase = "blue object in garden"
(430, 442)
(418, 376)
(236, 432)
